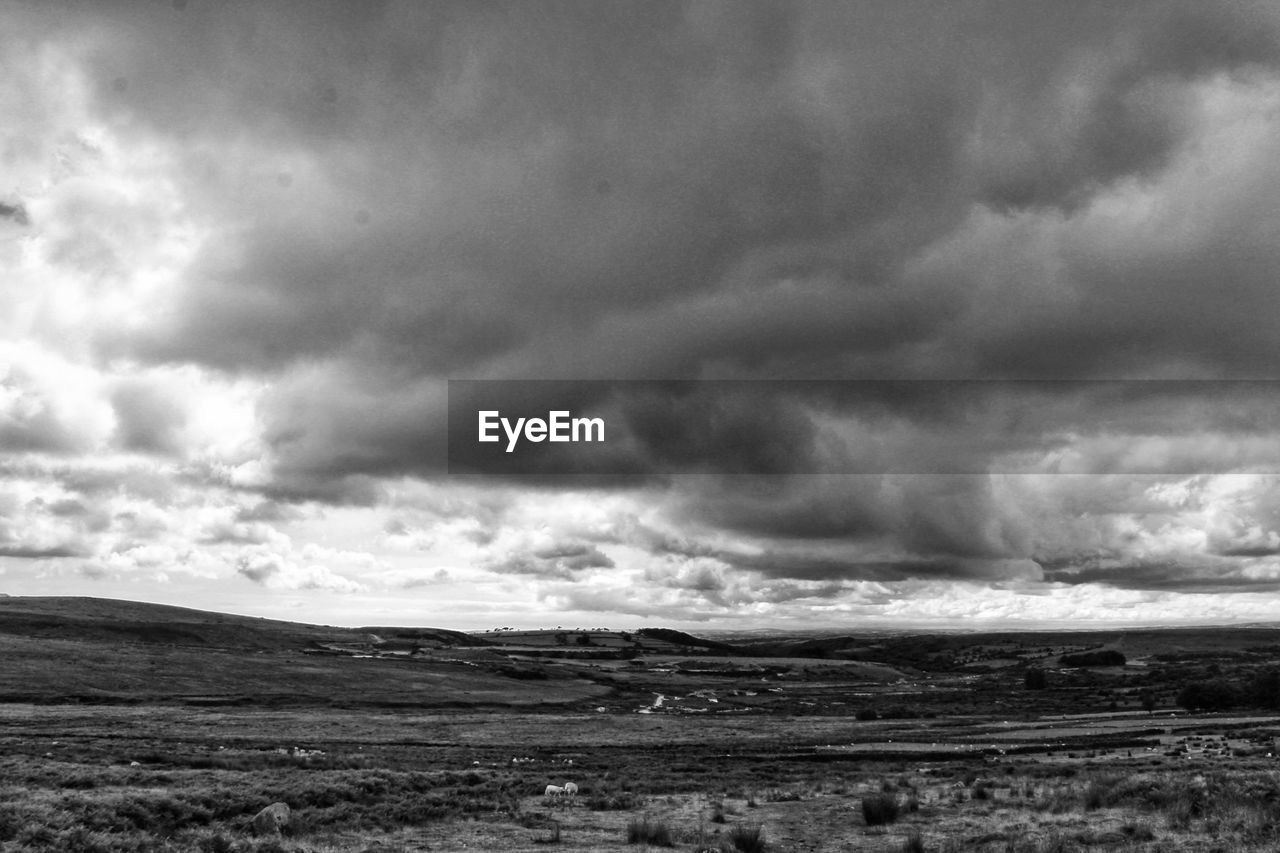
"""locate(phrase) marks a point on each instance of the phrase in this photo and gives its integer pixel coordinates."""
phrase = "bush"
(747, 839)
(1095, 797)
(645, 831)
(866, 714)
(217, 844)
(10, 823)
(879, 809)
(603, 801)
(1209, 696)
(913, 843)
(1102, 657)
(1180, 811)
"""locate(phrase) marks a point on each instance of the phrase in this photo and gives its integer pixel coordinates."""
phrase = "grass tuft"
(645, 831)
(879, 809)
(913, 843)
(747, 839)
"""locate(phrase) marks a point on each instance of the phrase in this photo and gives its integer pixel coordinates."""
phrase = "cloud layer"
(246, 245)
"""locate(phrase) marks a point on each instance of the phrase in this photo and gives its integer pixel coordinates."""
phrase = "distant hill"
(110, 620)
(680, 638)
(93, 650)
(819, 647)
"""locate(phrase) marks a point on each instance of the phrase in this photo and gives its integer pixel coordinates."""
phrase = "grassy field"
(149, 730)
(113, 778)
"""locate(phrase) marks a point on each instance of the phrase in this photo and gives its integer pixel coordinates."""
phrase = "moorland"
(139, 727)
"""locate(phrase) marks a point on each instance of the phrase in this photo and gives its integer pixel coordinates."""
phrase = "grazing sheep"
(553, 791)
(570, 789)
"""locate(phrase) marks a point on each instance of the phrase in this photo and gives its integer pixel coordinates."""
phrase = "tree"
(1209, 696)
(1266, 689)
(1102, 657)
(1147, 697)
(1035, 679)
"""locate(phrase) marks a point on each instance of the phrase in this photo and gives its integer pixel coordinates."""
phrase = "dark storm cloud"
(811, 564)
(574, 555)
(1188, 576)
(268, 511)
(69, 508)
(29, 553)
(401, 193)
(534, 172)
(16, 212)
(258, 572)
(662, 190)
(560, 560)
(1040, 152)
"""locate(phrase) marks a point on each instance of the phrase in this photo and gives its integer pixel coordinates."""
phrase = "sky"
(244, 246)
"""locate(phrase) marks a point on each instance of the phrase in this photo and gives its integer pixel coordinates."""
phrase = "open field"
(171, 731)
(168, 778)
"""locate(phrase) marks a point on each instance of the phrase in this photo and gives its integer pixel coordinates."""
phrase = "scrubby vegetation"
(943, 743)
(747, 839)
(879, 809)
(1102, 657)
(646, 831)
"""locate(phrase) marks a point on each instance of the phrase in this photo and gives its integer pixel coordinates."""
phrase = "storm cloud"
(916, 299)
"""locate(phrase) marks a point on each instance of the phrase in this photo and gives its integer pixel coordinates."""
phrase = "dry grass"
(445, 781)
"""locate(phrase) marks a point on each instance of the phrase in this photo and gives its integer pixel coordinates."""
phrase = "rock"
(271, 820)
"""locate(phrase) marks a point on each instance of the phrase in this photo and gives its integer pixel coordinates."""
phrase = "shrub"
(913, 843)
(1102, 657)
(217, 844)
(10, 823)
(1181, 809)
(603, 801)
(645, 831)
(747, 839)
(879, 809)
(866, 714)
(1216, 695)
(1095, 795)
(717, 812)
